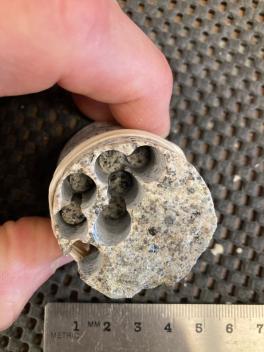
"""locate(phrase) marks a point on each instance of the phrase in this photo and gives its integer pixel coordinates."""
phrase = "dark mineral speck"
(152, 231)
(195, 214)
(191, 190)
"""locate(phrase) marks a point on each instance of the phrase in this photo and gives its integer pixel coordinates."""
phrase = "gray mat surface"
(216, 50)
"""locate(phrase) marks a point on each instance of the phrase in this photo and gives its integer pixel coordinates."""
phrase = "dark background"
(216, 50)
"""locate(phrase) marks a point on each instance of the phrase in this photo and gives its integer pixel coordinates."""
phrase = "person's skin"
(92, 49)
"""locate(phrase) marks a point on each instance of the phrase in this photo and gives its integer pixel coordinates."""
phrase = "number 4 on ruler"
(168, 327)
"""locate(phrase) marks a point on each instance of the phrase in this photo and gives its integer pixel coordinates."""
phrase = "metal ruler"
(121, 327)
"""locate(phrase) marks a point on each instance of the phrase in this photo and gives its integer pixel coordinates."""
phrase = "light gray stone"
(148, 217)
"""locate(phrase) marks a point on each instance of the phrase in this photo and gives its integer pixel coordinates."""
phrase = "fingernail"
(7, 314)
(60, 262)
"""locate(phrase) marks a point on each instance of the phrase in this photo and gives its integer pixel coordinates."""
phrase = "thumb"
(29, 255)
(90, 48)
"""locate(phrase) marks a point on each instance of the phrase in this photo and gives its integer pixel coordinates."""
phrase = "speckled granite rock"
(145, 214)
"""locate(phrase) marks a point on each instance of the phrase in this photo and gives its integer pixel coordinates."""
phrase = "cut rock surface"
(144, 217)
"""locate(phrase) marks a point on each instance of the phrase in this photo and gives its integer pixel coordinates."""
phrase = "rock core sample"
(130, 209)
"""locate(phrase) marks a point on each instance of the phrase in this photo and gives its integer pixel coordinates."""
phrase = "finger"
(94, 109)
(29, 255)
(90, 48)
(121, 66)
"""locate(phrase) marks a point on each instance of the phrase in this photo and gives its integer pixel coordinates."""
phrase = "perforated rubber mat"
(216, 50)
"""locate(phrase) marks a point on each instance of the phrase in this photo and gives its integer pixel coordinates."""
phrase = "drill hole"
(123, 184)
(113, 223)
(71, 220)
(79, 185)
(108, 162)
(72, 213)
(146, 162)
(70, 231)
(87, 256)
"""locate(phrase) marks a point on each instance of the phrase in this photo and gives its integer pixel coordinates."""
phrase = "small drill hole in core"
(84, 186)
(140, 158)
(78, 184)
(70, 220)
(146, 162)
(113, 223)
(81, 183)
(123, 184)
(72, 214)
(110, 161)
(88, 257)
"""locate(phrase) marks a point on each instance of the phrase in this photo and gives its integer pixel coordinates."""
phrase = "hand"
(114, 71)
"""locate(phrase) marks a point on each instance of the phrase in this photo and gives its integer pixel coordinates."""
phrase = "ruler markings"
(153, 327)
